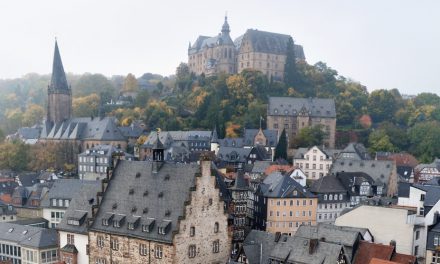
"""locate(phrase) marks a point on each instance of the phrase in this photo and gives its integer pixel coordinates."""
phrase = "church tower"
(59, 103)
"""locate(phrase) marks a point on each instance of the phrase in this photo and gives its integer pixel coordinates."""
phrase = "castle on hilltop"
(255, 49)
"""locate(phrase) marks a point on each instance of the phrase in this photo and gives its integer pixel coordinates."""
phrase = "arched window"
(340, 197)
(325, 197)
(330, 197)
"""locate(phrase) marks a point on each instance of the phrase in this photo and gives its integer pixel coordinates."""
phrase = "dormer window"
(118, 220)
(107, 218)
(164, 227)
(147, 226)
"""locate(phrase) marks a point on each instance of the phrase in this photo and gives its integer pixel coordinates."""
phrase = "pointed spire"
(58, 81)
(225, 27)
(214, 137)
(189, 46)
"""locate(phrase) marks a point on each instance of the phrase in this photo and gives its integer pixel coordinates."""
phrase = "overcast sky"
(382, 44)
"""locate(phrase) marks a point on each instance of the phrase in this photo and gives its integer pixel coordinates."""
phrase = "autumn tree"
(86, 106)
(33, 114)
(130, 84)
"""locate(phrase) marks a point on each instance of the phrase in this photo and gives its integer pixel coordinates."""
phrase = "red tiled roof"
(367, 251)
(272, 168)
(403, 259)
(6, 198)
(381, 261)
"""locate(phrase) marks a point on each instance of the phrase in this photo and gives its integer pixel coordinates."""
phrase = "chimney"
(313, 245)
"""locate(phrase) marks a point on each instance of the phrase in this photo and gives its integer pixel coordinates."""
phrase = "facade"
(433, 244)
(333, 198)
(28, 244)
(293, 114)
(73, 228)
(387, 224)
(58, 199)
(382, 172)
(94, 163)
(286, 204)
(160, 212)
(255, 50)
(240, 211)
(426, 172)
(314, 161)
(7, 212)
(359, 186)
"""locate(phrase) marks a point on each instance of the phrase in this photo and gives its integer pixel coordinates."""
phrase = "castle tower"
(59, 104)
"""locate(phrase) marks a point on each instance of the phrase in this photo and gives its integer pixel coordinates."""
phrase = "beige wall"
(385, 224)
(128, 250)
(278, 214)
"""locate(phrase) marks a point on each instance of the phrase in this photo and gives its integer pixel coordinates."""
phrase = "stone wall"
(128, 250)
(202, 213)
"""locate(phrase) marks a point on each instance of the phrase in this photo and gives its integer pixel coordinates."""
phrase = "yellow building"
(286, 204)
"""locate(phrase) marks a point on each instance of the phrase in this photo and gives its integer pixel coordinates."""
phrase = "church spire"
(58, 81)
(225, 27)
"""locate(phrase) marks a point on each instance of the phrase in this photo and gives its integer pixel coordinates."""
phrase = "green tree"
(93, 83)
(310, 136)
(281, 148)
(381, 105)
(426, 99)
(424, 140)
(290, 71)
(380, 141)
(183, 77)
(142, 98)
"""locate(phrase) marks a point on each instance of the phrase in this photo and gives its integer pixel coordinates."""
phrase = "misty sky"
(382, 44)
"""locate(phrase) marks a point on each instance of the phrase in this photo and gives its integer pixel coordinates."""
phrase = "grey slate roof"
(58, 81)
(84, 128)
(29, 132)
(28, 179)
(296, 250)
(379, 170)
(403, 189)
(232, 142)
(355, 151)
(271, 136)
(327, 184)
(256, 243)
(160, 196)
(28, 236)
(269, 42)
(81, 204)
(260, 166)
(64, 189)
(283, 187)
(233, 154)
(291, 106)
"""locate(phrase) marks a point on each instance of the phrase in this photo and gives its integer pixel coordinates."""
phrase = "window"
(114, 244)
(365, 188)
(435, 257)
(310, 202)
(340, 197)
(436, 240)
(100, 241)
(304, 202)
(50, 256)
(100, 261)
(192, 251)
(416, 250)
(216, 246)
(330, 197)
(325, 197)
(216, 227)
(192, 231)
(158, 251)
(422, 211)
(417, 234)
(70, 239)
(422, 197)
(143, 250)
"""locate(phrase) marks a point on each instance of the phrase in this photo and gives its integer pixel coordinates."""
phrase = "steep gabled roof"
(327, 184)
(58, 81)
(291, 106)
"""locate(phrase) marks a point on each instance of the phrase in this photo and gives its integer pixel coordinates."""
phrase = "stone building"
(77, 134)
(255, 49)
(160, 212)
(294, 114)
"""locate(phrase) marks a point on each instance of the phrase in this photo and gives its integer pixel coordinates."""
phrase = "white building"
(57, 200)
(389, 224)
(28, 244)
(73, 229)
(315, 162)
